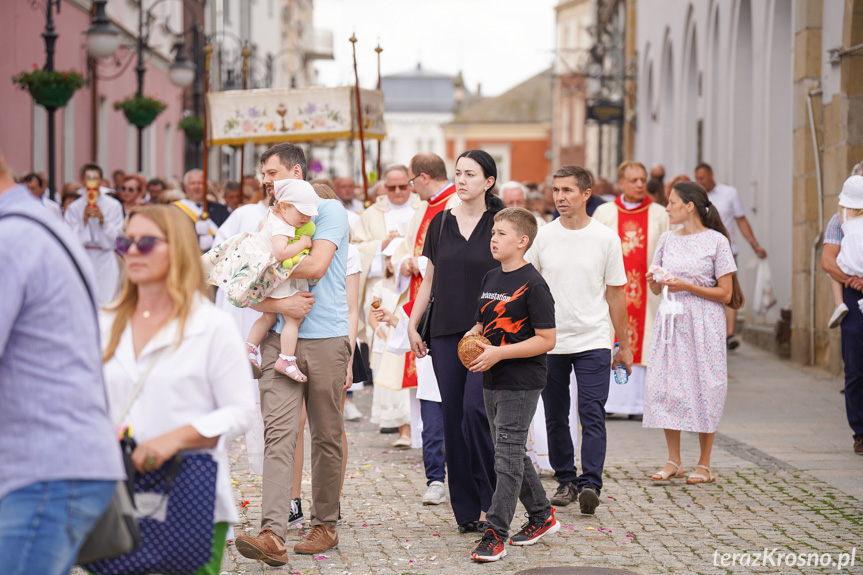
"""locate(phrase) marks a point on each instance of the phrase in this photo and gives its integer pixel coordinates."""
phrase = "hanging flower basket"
(193, 127)
(51, 89)
(140, 110)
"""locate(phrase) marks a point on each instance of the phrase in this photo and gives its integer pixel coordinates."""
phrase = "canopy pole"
(246, 54)
(353, 40)
(379, 50)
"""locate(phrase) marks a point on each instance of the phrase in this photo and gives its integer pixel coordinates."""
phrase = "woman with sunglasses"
(457, 247)
(163, 334)
(131, 192)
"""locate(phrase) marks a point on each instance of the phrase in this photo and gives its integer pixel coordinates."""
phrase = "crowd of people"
(265, 309)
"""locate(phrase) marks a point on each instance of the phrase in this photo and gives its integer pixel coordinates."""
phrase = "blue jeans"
(852, 353)
(43, 525)
(433, 458)
(509, 415)
(592, 372)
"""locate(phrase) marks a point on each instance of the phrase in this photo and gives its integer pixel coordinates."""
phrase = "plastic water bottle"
(620, 374)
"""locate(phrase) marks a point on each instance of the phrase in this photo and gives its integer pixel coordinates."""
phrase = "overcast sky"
(498, 43)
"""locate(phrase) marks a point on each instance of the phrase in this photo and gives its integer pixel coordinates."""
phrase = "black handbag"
(424, 325)
(116, 531)
(360, 365)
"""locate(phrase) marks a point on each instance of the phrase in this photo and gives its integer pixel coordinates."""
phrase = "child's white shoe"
(254, 354)
(839, 314)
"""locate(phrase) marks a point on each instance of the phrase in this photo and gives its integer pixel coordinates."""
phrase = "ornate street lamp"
(181, 73)
(103, 38)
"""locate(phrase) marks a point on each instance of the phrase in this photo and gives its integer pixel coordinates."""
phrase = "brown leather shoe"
(319, 539)
(266, 547)
(858, 445)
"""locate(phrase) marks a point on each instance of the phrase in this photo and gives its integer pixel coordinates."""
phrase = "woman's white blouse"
(205, 382)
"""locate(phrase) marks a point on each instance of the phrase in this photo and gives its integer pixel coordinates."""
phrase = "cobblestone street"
(758, 501)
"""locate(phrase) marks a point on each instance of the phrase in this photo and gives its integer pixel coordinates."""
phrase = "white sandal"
(665, 476)
(254, 353)
(287, 365)
(699, 477)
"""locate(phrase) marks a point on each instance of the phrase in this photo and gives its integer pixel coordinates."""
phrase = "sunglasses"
(402, 187)
(145, 244)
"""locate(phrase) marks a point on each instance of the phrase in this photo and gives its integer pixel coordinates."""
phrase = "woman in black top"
(459, 254)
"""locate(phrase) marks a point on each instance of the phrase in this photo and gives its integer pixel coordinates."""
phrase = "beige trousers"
(325, 363)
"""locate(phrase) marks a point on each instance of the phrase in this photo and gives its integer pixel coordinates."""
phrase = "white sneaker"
(435, 494)
(838, 315)
(351, 412)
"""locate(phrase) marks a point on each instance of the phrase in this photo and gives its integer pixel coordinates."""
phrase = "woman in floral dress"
(687, 378)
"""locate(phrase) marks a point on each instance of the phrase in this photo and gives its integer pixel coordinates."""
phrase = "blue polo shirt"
(329, 315)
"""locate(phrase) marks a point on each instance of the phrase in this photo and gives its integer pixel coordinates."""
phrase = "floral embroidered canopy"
(298, 114)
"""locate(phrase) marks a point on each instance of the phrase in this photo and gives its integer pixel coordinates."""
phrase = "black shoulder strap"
(436, 248)
(65, 247)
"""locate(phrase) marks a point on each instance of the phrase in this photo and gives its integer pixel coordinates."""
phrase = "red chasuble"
(632, 229)
(435, 206)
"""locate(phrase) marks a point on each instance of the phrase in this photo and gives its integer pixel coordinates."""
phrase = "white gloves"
(205, 239)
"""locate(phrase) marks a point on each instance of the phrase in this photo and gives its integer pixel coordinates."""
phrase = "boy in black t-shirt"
(516, 314)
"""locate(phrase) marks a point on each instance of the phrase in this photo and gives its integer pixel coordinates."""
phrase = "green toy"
(307, 229)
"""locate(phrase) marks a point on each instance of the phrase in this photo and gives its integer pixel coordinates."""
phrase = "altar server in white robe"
(97, 227)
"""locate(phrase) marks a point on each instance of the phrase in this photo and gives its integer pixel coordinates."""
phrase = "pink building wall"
(22, 46)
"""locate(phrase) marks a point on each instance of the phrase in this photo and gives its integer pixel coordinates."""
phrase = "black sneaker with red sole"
(535, 529)
(490, 548)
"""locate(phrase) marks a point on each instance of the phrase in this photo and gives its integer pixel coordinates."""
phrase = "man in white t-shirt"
(582, 262)
(727, 202)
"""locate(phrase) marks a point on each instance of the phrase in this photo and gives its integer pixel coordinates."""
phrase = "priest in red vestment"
(639, 222)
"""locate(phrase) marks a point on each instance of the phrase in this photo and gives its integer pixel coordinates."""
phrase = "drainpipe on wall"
(818, 238)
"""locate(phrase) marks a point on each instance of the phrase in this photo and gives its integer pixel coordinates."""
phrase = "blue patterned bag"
(175, 506)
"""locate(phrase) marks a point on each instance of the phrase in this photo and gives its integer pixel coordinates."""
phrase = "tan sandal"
(662, 475)
(403, 442)
(696, 477)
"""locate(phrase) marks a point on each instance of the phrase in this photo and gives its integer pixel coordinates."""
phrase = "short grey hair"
(857, 170)
(396, 167)
(515, 186)
(194, 171)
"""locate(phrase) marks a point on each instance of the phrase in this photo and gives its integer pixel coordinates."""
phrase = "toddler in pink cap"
(295, 204)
